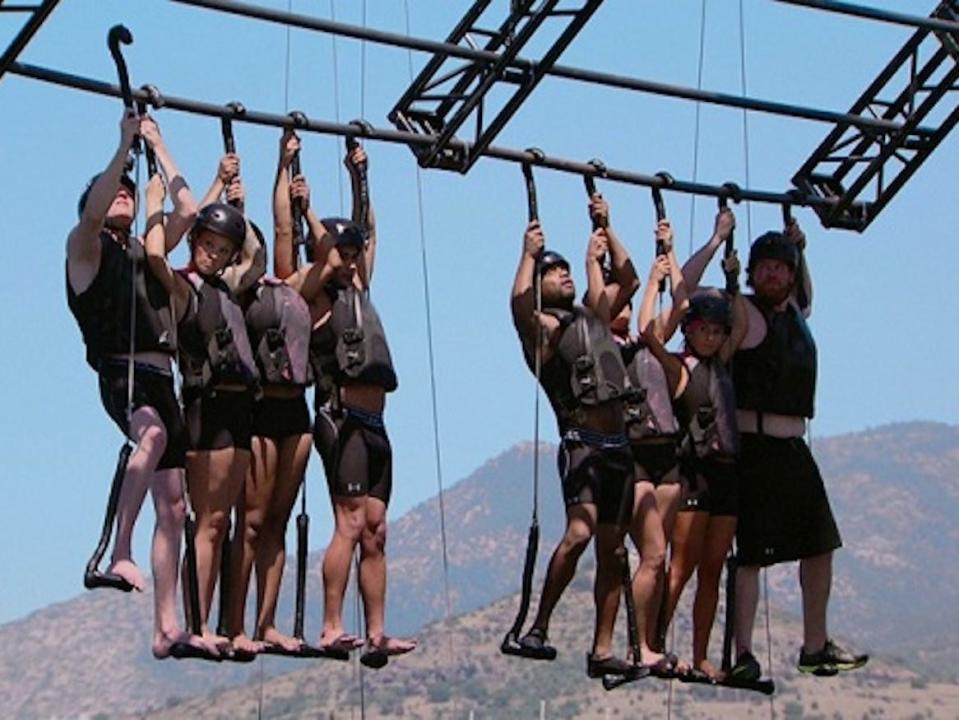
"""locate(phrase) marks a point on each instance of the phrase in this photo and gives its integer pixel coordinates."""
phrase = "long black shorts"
(219, 419)
(356, 452)
(784, 513)
(710, 486)
(655, 463)
(599, 474)
(280, 417)
(151, 388)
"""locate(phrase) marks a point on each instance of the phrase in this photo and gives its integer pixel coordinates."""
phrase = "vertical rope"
(742, 82)
(699, 86)
(363, 68)
(336, 104)
(432, 365)
(286, 76)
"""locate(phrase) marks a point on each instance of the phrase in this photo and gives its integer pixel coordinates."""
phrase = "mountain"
(895, 491)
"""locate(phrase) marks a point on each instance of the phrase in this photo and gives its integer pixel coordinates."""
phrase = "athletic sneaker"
(830, 660)
(746, 668)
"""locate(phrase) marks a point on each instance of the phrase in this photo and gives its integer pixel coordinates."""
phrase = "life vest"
(586, 369)
(214, 346)
(648, 403)
(779, 374)
(707, 410)
(352, 347)
(278, 324)
(103, 310)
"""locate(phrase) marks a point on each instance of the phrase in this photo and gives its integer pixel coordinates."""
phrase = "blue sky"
(883, 317)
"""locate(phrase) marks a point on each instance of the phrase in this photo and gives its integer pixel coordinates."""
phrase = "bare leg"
(720, 532)
(646, 531)
(216, 480)
(607, 587)
(688, 537)
(350, 518)
(250, 511)
(580, 526)
(149, 433)
(747, 600)
(292, 456)
(815, 578)
(667, 506)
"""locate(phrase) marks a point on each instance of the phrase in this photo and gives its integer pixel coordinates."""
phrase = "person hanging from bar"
(278, 325)
(712, 326)
(102, 257)
(219, 375)
(354, 372)
(784, 512)
(653, 431)
(585, 379)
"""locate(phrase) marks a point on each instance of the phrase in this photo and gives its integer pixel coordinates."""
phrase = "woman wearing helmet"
(354, 372)
(217, 367)
(712, 325)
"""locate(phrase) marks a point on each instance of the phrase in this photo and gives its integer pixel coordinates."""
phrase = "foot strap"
(95, 579)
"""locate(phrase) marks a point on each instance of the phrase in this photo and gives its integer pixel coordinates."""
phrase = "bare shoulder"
(757, 326)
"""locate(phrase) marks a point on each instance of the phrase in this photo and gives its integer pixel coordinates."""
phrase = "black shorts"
(219, 419)
(356, 452)
(655, 463)
(280, 417)
(597, 473)
(711, 487)
(784, 513)
(151, 388)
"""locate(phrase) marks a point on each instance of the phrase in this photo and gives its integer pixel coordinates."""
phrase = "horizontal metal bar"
(29, 29)
(871, 13)
(570, 73)
(394, 136)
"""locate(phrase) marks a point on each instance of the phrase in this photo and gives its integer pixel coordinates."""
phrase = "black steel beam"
(394, 136)
(872, 13)
(29, 29)
(522, 65)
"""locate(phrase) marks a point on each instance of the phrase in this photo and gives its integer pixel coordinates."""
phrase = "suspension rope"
(363, 67)
(336, 103)
(696, 132)
(742, 80)
(432, 365)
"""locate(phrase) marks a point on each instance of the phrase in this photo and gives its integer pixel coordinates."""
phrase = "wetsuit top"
(103, 310)
(214, 346)
(585, 370)
(778, 375)
(351, 348)
(648, 405)
(707, 410)
(278, 324)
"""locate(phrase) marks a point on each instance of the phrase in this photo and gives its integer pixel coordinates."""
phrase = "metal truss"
(450, 91)
(34, 17)
(859, 170)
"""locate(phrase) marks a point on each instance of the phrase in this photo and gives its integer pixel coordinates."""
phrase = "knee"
(575, 541)
(351, 526)
(152, 440)
(216, 524)
(653, 559)
(374, 539)
(254, 523)
(170, 515)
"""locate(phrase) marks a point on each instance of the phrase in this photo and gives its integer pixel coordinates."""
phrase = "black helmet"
(222, 219)
(550, 259)
(773, 246)
(125, 180)
(344, 232)
(710, 305)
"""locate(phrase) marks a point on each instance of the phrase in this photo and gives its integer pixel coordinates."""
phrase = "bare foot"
(393, 646)
(650, 658)
(711, 670)
(128, 570)
(163, 644)
(244, 645)
(332, 640)
(220, 642)
(272, 636)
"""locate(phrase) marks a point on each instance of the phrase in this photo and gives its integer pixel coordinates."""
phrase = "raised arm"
(184, 204)
(154, 245)
(523, 296)
(596, 250)
(672, 366)
(354, 160)
(83, 242)
(623, 281)
(696, 265)
(252, 261)
(803, 291)
(284, 254)
(740, 317)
